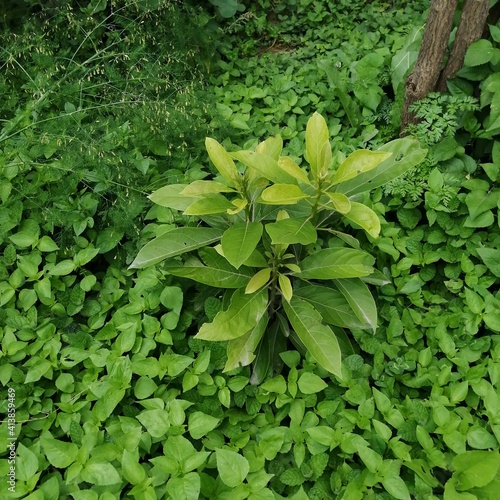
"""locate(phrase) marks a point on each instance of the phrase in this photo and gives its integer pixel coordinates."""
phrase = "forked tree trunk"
(425, 74)
(470, 29)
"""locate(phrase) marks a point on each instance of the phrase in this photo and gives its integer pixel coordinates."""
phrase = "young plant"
(257, 237)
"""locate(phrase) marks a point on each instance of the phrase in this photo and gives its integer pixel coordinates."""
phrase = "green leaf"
(187, 487)
(491, 258)
(175, 242)
(100, 474)
(200, 424)
(309, 383)
(479, 52)
(264, 165)
(290, 231)
(475, 469)
(319, 339)
(243, 314)
(285, 286)
(62, 268)
(239, 241)
(364, 217)
(316, 138)
(170, 197)
(340, 202)
(132, 471)
(272, 147)
(199, 188)
(26, 465)
(47, 244)
(360, 299)
(331, 263)
(156, 422)
(217, 272)
(282, 194)
(406, 153)
(209, 204)
(395, 486)
(108, 238)
(359, 162)
(291, 168)
(222, 161)
(260, 279)
(240, 351)
(331, 304)
(232, 467)
(60, 454)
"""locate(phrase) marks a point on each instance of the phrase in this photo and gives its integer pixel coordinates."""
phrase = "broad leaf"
(232, 467)
(290, 231)
(282, 194)
(272, 147)
(316, 138)
(360, 299)
(333, 263)
(175, 242)
(290, 167)
(239, 241)
(217, 272)
(266, 166)
(171, 197)
(243, 313)
(258, 280)
(358, 162)
(406, 153)
(241, 351)
(318, 338)
(198, 188)
(491, 258)
(364, 217)
(222, 161)
(331, 304)
(209, 204)
(340, 202)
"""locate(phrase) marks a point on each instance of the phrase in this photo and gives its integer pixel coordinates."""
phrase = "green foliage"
(114, 395)
(264, 253)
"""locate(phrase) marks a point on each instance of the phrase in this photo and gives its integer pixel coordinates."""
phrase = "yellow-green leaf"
(239, 205)
(290, 167)
(358, 162)
(243, 313)
(272, 147)
(222, 161)
(171, 197)
(325, 158)
(209, 204)
(198, 188)
(241, 351)
(258, 280)
(340, 202)
(282, 194)
(364, 217)
(285, 287)
(264, 165)
(316, 137)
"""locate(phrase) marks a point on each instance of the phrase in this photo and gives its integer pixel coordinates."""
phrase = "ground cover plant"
(115, 396)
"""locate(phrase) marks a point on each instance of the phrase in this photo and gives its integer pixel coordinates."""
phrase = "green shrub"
(269, 216)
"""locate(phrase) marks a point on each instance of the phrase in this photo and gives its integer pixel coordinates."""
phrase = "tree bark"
(470, 29)
(425, 74)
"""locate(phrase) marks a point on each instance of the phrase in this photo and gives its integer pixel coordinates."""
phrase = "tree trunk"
(425, 74)
(470, 29)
